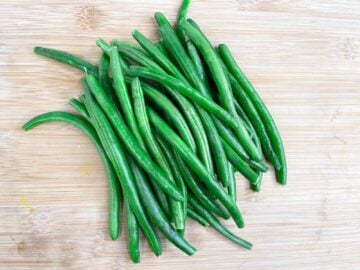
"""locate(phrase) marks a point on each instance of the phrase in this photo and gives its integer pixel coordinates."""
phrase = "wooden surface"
(304, 59)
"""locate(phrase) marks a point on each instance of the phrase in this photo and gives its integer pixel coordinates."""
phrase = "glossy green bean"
(154, 148)
(157, 216)
(217, 225)
(130, 141)
(194, 163)
(159, 55)
(117, 156)
(239, 164)
(133, 238)
(68, 59)
(113, 182)
(265, 115)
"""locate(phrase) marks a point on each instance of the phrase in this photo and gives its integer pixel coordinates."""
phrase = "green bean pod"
(217, 225)
(194, 163)
(133, 238)
(68, 59)
(113, 182)
(265, 115)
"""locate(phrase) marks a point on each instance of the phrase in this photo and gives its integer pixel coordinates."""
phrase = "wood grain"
(303, 57)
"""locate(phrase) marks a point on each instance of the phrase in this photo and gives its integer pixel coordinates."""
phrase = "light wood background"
(303, 57)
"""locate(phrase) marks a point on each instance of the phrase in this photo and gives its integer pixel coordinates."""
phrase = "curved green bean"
(217, 225)
(195, 216)
(80, 108)
(133, 238)
(68, 59)
(232, 183)
(113, 182)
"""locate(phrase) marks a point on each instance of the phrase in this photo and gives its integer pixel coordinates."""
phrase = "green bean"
(80, 108)
(194, 163)
(217, 225)
(113, 182)
(189, 178)
(256, 187)
(68, 59)
(195, 216)
(260, 130)
(104, 78)
(133, 238)
(119, 43)
(232, 183)
(183, 10)
(130, 142)
(158, 54)
(150, 141)
(239, 163)
(265, 115)
(137, 56)
(117, 156)
(185, 90)
(160, 46)
(157, 216)
(222, 83)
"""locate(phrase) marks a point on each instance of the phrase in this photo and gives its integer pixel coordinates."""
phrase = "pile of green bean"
(173, 121)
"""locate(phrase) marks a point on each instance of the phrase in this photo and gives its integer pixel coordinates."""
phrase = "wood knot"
(87, 17)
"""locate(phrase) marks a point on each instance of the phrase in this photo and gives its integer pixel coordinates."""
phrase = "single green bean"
(265, 115)
(133, 238)
(113, 182)
(68, 59)
(157, 216)
(217, 225)
(117, 156)
(194, 163)
(130, 141)
(256, 187)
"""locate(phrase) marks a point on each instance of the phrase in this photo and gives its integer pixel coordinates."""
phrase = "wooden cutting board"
(302, 56)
